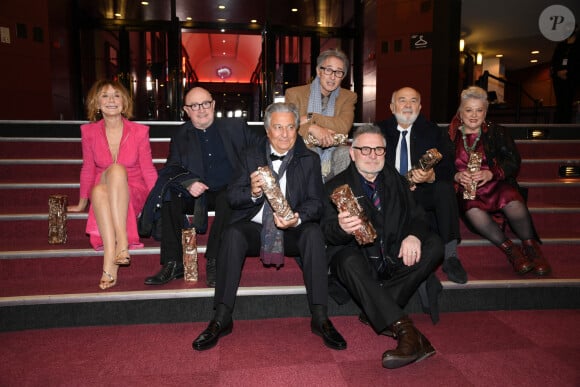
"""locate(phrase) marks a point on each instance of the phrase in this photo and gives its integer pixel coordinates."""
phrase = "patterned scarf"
(315, 106)
(272, 249)
(315, 99)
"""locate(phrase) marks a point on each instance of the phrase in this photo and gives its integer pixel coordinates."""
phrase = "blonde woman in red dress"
(497, 188)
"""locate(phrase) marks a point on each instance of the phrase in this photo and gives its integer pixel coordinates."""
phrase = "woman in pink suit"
(117, 175)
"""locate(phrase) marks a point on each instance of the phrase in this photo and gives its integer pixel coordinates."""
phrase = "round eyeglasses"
(366, 150)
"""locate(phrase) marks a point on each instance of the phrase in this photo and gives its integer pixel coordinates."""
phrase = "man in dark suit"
(201, 161)
(381, 276)
(256, 230)
(409, 133)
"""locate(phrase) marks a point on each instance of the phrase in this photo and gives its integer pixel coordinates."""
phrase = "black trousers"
(564, 92)
(383, 300)
(440, 199)
(172, 213)
(242, 239)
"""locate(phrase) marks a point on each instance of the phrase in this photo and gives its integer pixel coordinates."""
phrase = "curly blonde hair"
(92, 102)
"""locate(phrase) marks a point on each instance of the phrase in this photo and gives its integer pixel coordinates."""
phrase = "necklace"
(471, 148)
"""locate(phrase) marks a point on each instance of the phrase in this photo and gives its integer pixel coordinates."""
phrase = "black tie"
(275, 157)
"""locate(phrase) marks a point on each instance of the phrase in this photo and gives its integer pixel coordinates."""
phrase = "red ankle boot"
(532, 250)
(519, 261)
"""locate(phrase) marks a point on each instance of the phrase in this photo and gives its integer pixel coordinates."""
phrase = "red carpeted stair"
(36, 277)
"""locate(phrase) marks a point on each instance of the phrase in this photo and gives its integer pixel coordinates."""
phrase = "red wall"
(398, 20)
(25, 71)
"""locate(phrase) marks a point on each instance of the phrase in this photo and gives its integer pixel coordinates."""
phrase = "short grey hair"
(281, 107)
(367, 129)
(333, 52)
(474, 92)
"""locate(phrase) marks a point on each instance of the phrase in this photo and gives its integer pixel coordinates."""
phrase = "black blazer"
(424, 136)
(185, 149)
(303, 183)
(401, 215)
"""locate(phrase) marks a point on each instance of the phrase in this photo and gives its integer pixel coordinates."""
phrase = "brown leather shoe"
(532, 251)
(412, 346)
(519, 261)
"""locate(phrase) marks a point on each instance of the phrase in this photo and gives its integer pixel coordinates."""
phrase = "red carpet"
(522, 348)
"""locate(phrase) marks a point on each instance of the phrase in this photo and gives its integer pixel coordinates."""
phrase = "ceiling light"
(533, 61)
(499, 55)
(221, 6)
(294, 9)
(253, 21)
(461, 45)
(144, 3)
(221, 20)
(188, 18)
(118, 15)
(479, 58)
(223, 30)
(319, 23)
(535, 52)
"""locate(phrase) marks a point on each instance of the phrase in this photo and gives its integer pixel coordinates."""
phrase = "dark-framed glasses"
(366, 150)
(329, 71)
(197, 106)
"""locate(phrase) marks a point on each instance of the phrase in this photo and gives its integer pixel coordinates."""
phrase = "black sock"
(223, 314)
(319, 313)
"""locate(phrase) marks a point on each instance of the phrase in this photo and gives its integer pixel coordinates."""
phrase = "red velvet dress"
(492, 196)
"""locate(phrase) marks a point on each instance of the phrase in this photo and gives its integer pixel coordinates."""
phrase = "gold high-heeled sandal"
(123, 258)
(106, 284)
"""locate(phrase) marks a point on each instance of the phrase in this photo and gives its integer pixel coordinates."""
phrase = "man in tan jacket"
(326, 109)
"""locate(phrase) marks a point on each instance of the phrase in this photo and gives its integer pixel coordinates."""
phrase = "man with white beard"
(409, 135)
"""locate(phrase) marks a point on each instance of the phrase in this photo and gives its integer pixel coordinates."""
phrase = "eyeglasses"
(197, 106)
(329, 71)
(366, 150)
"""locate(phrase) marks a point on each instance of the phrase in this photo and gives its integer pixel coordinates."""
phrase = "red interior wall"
(25, 73)
(407, 67)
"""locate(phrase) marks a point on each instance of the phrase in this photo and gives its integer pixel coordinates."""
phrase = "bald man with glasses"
(202, 156)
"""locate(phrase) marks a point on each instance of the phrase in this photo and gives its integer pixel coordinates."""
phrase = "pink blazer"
(134, 155)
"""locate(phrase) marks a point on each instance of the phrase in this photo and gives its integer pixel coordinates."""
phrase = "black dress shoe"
(332, 339)
(454, 270)
(210, 272)
(171, 270)
(211, 335)
(362, 317)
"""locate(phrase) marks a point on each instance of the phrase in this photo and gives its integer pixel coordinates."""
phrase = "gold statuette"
(426, 162)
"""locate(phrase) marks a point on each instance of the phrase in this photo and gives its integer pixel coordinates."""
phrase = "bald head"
(200, 107)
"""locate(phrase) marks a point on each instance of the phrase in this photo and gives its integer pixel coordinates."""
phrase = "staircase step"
(45, 171)
(544, 169)
(535, 149)
(53, 147)
(546, 192)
